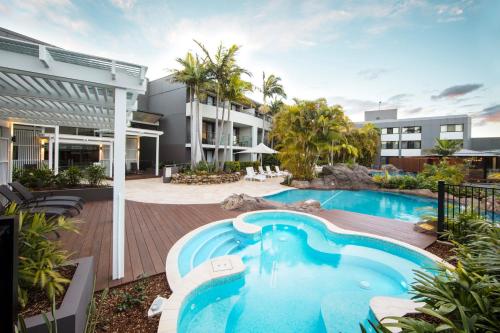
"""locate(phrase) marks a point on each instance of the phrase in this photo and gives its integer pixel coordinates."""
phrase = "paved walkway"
(153, 190)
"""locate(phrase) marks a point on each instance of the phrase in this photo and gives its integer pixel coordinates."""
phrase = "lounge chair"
(12, 197)
(48, 211)
(251, 175)
(270, 172)
(29, 197)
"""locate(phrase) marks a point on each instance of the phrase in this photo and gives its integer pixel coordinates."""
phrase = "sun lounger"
(251, 175)
(12, 197)
(26, 195)
(270, 172)
(48, 211)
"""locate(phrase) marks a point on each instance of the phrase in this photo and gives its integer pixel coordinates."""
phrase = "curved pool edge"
(182, 287)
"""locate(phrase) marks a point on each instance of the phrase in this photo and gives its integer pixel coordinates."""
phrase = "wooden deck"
(152, 229)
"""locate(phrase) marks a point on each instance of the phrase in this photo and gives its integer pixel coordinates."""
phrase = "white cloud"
(124, 4)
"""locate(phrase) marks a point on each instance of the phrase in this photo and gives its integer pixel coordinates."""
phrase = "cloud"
(489, 114)
(452, 12)
(399, 98)
(457, 91)
(124, 4)
(372, 73)
(414, 110)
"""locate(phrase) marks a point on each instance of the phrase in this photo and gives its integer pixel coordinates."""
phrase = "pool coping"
(182, 287)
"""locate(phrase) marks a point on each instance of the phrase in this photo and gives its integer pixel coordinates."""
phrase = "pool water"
(402, 207)
(299, 278)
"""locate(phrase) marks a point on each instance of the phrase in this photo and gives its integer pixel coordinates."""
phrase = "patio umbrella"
(259, 149)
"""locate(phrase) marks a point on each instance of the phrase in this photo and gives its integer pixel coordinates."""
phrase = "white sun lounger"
(279, 172)
(251, 175)
(270, 172)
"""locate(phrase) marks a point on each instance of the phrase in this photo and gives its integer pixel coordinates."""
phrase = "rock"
(244, 202)
(301, 183)
(344, 176)
(204, 178)
(389, 168)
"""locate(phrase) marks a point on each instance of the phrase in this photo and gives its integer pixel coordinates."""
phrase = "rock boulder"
(345, 176)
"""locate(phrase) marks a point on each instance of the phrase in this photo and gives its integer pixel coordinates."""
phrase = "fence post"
(440, 221)
(8, 272)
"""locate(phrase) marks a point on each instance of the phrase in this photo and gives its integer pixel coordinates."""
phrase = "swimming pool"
(302, 275)
(403, 207)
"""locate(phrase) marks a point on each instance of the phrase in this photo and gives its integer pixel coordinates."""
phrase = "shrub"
(271, 160)
(95, 174)
(232, 166)
(38, 255)
(73, 176)
(204, 167)
(406, 182)
(451, 174)
(245, 164)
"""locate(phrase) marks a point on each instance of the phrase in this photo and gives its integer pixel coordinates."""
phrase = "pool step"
(210, 246)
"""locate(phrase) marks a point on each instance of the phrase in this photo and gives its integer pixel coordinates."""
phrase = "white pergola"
(48, 86)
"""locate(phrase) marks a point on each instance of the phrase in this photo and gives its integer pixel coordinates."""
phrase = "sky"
(426, 58)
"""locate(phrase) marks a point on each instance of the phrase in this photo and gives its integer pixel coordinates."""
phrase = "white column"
(231, 141)
(119, 184)
(157, 156)
(111, 159)
(254, 141)
(11, 152)
(138, 155)
(56, 150)
(51, 153)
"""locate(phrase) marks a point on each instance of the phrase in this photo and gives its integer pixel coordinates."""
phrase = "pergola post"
(51, 153)
(120, 127)
(157, 156)
(56, 150)
(111, 153)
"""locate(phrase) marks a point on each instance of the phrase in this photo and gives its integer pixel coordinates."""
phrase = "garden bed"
(205, 179)
(114, 314)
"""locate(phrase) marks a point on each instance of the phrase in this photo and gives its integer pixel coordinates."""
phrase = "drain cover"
(221, 265)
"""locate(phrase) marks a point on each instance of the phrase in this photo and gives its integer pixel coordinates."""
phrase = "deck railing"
(476, 200)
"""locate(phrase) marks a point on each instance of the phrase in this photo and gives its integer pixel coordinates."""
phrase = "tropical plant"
(432, 173)
(39, 257)
(304, 132)
(366, 141)
(95, 174)
(271, 87)
(221, 67)
(446, 147)
(195, 75)
(232, 166)
(73, 176)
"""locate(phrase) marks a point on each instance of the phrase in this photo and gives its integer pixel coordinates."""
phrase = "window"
(210, 100)
(234, 107)
(390, 130)
(452, 128)
(390, 144)
(412, 129)
(411, 144)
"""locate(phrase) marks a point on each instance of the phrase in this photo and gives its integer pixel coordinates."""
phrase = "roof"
(475, 153)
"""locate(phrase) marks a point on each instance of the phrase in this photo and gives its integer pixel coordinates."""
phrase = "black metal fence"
(8, 272)
(476, 200)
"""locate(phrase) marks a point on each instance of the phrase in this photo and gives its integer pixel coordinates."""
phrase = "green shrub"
(204, 167)
(42, 177)
(38, 255)
(232, 166)
(272, 160)
(246, 164)
(450, 174)
(74, 176)
(95, 174)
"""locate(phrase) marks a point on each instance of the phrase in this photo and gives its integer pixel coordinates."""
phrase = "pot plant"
(46, 276)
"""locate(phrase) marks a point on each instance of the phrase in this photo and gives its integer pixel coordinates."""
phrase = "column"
(231, 140)
(254, 141)
(51, 153)
(119, 183)
(157, 156)
(56, 150)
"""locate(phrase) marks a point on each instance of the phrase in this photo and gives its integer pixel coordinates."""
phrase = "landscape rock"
(389, 168)
(344, 176)
(245, 203)
(205, 179)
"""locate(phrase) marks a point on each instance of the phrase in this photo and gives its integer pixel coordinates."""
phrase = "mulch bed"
(39, 303)
(115, 314)
(442, 250)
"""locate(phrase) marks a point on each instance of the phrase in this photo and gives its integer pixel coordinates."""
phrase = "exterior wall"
(484, 144)
(381, 115)
(169, 99)
(4, 152)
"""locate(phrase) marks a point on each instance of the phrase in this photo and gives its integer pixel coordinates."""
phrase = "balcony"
(411, 152)
(389, 152)
(411, 137)
(451, 135)
(242, 141)
(389, 137)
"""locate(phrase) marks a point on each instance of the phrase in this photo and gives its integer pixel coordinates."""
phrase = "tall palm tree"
(447, 147)
(222, 66)
(271, 87)
(194, 75)
(235, 92)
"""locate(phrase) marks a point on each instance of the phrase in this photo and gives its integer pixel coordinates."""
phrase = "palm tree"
(447, 147)
(222, 66)
(235, 92)
(271, 87)
(194, 75)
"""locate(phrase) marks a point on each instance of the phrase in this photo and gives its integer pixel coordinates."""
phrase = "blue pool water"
(384, 204)
(299, 278)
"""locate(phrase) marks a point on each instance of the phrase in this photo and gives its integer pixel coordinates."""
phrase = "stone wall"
(204, 179)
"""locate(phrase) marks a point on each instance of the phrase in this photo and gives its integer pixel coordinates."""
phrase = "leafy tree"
(447, 147)
(271, 87)
(195, 75)
(304, 132)
(366, 140)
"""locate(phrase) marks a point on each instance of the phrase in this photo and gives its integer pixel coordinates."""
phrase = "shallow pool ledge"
(247, 230)
(383, 306)
(209, 271)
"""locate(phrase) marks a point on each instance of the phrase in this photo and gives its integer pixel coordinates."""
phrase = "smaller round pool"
(408, 208)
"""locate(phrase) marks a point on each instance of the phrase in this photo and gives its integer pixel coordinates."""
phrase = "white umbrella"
(259, 149)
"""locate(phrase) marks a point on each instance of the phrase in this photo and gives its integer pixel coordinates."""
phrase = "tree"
(304, 132)
(366, 140)
(194, 74)
(221, 67)
(447, 147)
(271, 87)
(236, 90)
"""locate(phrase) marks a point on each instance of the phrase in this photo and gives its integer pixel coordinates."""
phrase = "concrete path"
(153, 190)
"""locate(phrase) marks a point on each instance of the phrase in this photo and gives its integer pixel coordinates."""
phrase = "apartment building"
(412, 137)
(244, 126)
